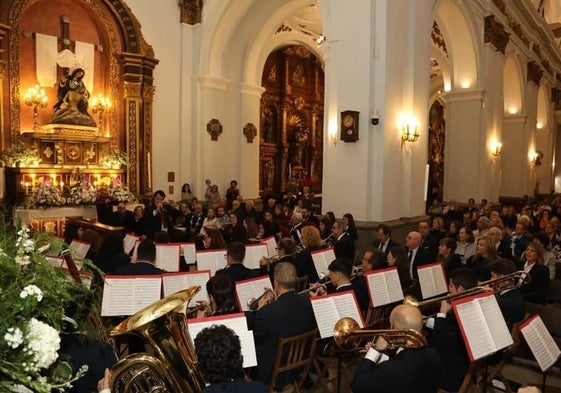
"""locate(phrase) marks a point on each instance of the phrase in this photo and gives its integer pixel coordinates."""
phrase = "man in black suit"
(308, 217)
(289, 315)
(340, 274)
(235, 254)
(520, 240)
(429, 243)
(123, 217)
(416, 255)
(446, 337)
(384, 239)
(410, 370)
(344, 244)
(501, 245)
(159, 215)
(296, 227)
(511, 302)
(145, 264)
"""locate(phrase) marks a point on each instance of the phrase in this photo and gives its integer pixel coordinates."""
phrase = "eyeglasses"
(277, 248)
(225, 256)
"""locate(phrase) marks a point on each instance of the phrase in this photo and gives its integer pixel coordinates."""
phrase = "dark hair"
(385, 229)
(146, 251)
(160, 193)
(463, 276)
(237, 251)
(503, 266)
(450, 243)
(331, 216)
(378, 258)
(342, 265)
(287, 244)
(469, 232)
(540, 236)
(112, 243)
(252, 229)
(75, 71)
(217, 241)
(351, 226)
(402, 264)
(223, 291)
(219, 354)
(185, 186)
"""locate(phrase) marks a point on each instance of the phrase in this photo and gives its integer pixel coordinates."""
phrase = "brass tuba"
(174, 366)
(349, 336)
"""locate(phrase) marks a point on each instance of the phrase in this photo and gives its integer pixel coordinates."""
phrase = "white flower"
(14, 337)
(43, 341)
(23, 260)
(31, 290)
(20, 389)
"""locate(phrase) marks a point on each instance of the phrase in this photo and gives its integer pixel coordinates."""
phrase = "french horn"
(174, 367)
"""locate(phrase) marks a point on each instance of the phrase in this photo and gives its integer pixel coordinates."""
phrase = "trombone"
(509, 281)
(323, 282)
(349, 336)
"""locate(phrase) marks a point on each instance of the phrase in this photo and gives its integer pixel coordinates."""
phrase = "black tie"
(382, 246)
(410, 255)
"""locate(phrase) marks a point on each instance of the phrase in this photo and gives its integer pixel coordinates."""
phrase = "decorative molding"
(191, 11)
(250, 132)
(214, 128)
(535, 72)
(212, 82)
(495, 34)
(438, 38)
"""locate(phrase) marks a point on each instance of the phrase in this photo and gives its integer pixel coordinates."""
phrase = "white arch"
(462, 51)
(512, 86)
(542, 118)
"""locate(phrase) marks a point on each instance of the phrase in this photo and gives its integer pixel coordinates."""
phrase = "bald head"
(406, 317)
(412, 240)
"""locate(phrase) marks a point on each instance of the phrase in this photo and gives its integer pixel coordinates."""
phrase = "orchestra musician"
(410, 370)
(222, 294)
(289, 315)
(235, 254)
(345, 245)
(286, 250)
(446, 337)
(311, 241)
(511, 302)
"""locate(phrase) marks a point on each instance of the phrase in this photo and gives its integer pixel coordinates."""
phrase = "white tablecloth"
(28, 215)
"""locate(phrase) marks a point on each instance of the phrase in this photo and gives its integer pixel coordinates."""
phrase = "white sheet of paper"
(322, 259)
(251, 289)
(129, 242)
(211, 260)
(431, 278)
(253, 254)
(167, 257)
(271, 243)
(79, 248)
(541, 343)
(126, 295)
(174, 282)
(189, 253)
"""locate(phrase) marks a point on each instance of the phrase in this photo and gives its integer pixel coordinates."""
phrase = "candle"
(149, 170)
(289, 171)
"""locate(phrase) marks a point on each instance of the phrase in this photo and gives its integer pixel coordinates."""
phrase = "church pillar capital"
(191, 11)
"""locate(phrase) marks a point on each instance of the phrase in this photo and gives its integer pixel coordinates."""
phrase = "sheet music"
(55, 261)
(271, 244)
(253, 254)
(482, 324)
(322, 259)
(174, 282)
(251, 289)
(431, 278)
(129, 242)
(167, 257)
(126, 295)
(189, 253)
(236, 322)
(80, 248)
(384, 287)
(326, 315)
(541, 343)
(496, 322)
(211, 260)
(329, 309)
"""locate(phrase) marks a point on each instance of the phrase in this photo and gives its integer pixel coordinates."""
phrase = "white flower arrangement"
(34, 296)
(82, 193)
(121, 193)
(46, 194)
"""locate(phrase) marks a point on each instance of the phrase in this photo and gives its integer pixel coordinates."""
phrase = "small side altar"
(53, 219)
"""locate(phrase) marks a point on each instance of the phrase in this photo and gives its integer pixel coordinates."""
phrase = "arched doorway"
(291, 129)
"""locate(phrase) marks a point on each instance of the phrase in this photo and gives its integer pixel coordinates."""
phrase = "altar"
(53, 219)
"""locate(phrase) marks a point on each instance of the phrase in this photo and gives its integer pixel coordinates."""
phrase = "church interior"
(378, 108)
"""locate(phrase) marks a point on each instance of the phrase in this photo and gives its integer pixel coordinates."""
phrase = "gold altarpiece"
(291, 132)
(123, 72)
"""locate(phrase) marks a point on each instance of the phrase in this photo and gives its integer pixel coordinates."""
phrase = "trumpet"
(323, 282)
(275, 258)
(349, 336)
(253, 303)
(192, 311)
(509, 281)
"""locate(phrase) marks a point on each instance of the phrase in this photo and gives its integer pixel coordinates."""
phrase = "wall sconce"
(36, 98)
(536, 158)
(100, 103)
(497, 149)
(409, 133)
(333, 139)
